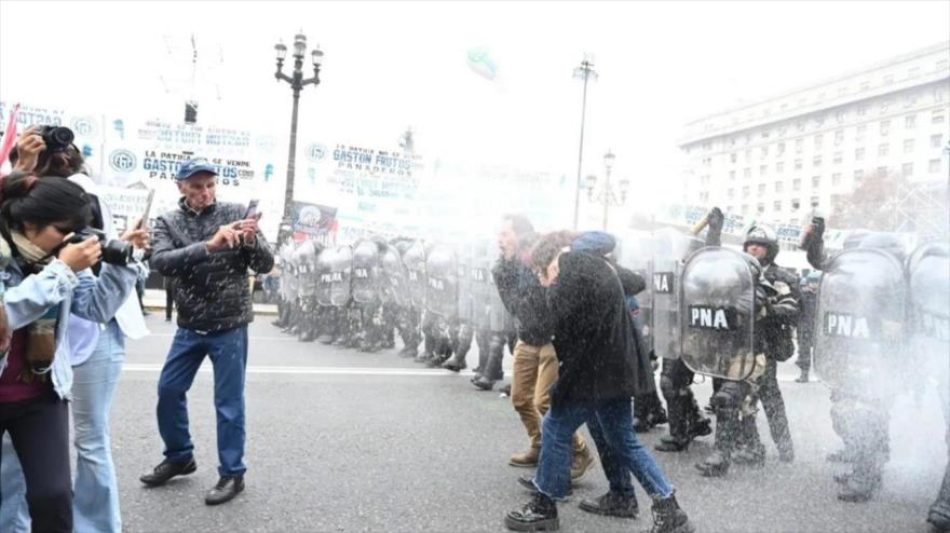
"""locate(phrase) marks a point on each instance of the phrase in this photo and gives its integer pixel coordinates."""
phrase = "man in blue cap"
(207, 247)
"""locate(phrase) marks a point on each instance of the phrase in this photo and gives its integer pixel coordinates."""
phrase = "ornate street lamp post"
(606, 196)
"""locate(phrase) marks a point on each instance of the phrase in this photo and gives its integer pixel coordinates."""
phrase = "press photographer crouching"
(97, 347)
(46, 282)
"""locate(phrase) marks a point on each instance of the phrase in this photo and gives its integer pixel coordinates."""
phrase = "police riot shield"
(442, 278)
(290, 268)
(394, 285)
(465, 305)
(341, 273)
(324, 277)
(859, 319)
(305, 258)
(670, 248)
(415, 261)
(482, 286)
(366, 272)
(928, 273)
(717, 306)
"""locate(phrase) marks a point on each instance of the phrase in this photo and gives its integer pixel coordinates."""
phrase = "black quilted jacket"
(212, 292)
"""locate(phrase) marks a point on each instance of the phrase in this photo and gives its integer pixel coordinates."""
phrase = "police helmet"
(765, 236)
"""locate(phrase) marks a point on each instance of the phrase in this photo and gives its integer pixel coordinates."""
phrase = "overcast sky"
(389, 65)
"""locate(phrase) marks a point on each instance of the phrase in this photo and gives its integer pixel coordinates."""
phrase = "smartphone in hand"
(252, 210)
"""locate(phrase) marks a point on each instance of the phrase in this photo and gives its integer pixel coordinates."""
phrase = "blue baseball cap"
(193, 166)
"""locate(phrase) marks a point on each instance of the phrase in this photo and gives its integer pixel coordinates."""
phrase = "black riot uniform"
(776, 307)
(860, 323)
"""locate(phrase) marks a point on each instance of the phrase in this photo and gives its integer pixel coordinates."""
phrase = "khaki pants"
(535, 370)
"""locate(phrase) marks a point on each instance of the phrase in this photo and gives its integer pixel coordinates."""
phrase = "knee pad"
(730, 395)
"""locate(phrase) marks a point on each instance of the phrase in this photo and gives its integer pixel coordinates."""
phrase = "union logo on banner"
(122, 160)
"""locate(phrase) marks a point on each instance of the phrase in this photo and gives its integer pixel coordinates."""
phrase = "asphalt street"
(342, 441)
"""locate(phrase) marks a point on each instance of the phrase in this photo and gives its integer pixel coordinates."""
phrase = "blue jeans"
(96, 500)
(228, 353)
(96, 492)
(613, 421)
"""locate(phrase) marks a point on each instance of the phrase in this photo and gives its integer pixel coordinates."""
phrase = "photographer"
(97, 349)
(208, 247)
(48, 279)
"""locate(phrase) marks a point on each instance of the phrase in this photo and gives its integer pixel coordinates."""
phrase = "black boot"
(539, 514)
(803, 378)
(750, 452)
(612, 504)
(669, 518)
(167, 470)
(717, 464)
(678, 439)
(225, 490)
(864, 481)
(456, 363)
(698, 425)
(939, 515)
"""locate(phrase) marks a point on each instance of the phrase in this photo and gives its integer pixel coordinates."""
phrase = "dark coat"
(594, 335)
(524, 297)
(211, 289)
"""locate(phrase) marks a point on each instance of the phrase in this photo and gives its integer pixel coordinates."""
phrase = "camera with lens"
(57, 138)
(114, 251)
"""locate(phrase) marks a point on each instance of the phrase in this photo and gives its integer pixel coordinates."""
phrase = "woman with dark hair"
(97, 353)
(47, 280)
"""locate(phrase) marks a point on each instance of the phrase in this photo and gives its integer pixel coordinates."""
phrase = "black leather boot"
(717, 464)
(668, 517)
(539, 514)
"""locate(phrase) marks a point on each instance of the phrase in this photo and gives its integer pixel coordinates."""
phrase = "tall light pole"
(297, 82)
(583, 72)
(606, 196)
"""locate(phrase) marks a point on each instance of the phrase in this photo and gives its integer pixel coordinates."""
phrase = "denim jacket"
(26, 298)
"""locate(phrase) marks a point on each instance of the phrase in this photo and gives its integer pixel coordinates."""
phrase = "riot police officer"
(776, 301)
(861, 325)
(806, 324)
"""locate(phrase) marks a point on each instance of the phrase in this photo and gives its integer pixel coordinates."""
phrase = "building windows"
(796, 184)
(760, 208)
(839, 137)
(910, 100)
(793, 221)
(745, 191)
(764, 152)
(780, 149)
(859, 154)
(818, 139)
(777, 206)
(815, 181)
(936, 141)
(747, 172)
(837, 158)
(732, 175)
(908, 146)
(733, 157)
(799, 144)
(779, 167)
(732, 193)
(836, 179)
(885, 105)
(798, 164)
(814, 201)
(707, 161)
(933, 166)
(883, 149)
(938, 117)
(763, 169)
(761, 189)
(858, 176)
(796, 204)
(816, 161)
(778, 186)
(907, 169)
(860, 131)
(862, 110)
(885, 127)
(882, 171)
(910, 122)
